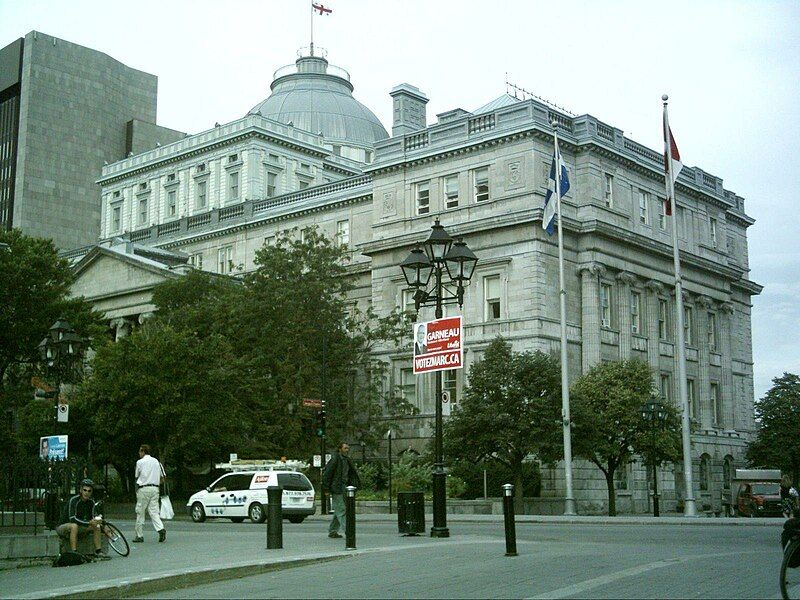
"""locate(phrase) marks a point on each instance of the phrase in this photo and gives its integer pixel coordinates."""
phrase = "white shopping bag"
(167, 513)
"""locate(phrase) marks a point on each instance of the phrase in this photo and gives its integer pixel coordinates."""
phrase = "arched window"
(705, 473)
(727, 472)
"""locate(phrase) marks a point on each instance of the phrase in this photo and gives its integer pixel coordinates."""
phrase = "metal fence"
(32, 491)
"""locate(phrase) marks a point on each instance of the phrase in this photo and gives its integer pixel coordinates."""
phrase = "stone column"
(703, 363)
(590, 313)
(625, 280)
(654, 290)
(728, 407)
(122, 327)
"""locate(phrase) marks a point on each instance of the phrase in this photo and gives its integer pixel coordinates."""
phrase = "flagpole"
(311, 48)
(569, 501)
(689, 506)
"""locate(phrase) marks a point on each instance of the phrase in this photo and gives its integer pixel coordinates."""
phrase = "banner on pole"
(438, 345)
(53, 447)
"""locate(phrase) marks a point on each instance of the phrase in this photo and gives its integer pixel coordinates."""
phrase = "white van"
(236, 496)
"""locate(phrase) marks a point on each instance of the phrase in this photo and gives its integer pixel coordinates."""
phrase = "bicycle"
(116, 539)
(790, 567)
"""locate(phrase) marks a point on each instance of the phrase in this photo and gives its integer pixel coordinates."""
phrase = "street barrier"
(350, 518)
(508, 515)
(274, 518)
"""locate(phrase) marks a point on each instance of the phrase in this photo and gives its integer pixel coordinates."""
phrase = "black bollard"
(274, 518)
(508, 513)
(350, 518)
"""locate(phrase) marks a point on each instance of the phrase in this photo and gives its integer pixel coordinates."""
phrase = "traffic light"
(319, 424)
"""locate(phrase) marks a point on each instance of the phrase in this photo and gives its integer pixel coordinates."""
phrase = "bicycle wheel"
(116, 539)
(790, 570)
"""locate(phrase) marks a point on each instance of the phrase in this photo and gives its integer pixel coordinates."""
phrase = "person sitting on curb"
(78, 520)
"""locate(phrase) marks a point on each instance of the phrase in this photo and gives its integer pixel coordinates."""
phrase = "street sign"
(446, 405)
(62, 414)
(234, 457)
(312, 402)
(54, 447)
(438, 345)
(317, 462)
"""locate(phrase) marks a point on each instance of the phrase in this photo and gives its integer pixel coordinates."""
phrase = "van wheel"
(198, 513)
(294, 519)
(256, 513)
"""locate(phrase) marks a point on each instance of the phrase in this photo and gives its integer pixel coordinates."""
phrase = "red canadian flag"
(321, 9)
(672, 160)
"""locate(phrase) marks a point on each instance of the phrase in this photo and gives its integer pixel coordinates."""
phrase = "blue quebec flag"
(548, 220)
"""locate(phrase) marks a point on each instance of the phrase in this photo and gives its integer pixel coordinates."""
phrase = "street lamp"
(439, 254)
(59, 349)
(654, 414)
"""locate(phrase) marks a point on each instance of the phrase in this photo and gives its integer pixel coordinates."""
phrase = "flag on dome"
(321, 9)
(671, 147)
(549, 204)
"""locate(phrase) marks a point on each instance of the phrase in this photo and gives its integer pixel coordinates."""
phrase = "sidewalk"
(216, 550)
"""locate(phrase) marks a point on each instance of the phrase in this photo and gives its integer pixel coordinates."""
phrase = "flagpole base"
(569, 507)
(689, 508)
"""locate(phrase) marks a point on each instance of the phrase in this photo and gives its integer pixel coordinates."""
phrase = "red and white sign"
(438, 345)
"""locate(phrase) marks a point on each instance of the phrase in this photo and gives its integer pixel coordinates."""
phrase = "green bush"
(368, 474)
(497, 474)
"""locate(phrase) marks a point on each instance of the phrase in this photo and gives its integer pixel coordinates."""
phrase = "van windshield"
(766, 489)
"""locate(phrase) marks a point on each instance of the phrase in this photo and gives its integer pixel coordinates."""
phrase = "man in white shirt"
(148, 477)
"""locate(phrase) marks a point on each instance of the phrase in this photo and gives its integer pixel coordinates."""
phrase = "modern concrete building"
(221, 194)
(65, 110)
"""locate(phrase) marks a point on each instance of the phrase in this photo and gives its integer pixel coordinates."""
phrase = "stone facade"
(484, 174)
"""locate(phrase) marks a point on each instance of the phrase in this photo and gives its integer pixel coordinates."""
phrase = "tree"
(165, 387)
(607, 424)
(510, 410)
(777, 442)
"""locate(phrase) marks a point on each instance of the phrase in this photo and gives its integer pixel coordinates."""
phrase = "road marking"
(580, 589)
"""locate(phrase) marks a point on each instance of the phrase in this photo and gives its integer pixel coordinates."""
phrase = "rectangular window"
(712, 331)
(272, 180)
(143, 186)
(232, 158)
(305, 167)
(644, 203)
(609, 191)
(302, 184)
(481, 178)
(451, 191)
(662, 319)
(408, 386)
(143, 211)
(202, 200)
(172, 203)
(694, 413)
(665, 387)
(491, 294)
(450, 384)
(662, 215)
(621, 478)
(423, 197)
(716, 412)
(636, 312)
(196, 260)
(171, 177)
(712, 231)
(269, 240)
(688, 325)
(342, 233)
(233, 186)
(116, 218)
(605, 305)
(274, 158)
(303, 234)
(201, 168)
(225, 260)
(409, 306)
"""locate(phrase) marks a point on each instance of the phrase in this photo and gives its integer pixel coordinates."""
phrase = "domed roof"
(318, 98)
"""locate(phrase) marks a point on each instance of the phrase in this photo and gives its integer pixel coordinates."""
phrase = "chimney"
(409, 109)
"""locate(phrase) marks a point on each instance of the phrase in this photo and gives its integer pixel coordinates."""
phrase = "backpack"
(69, 559)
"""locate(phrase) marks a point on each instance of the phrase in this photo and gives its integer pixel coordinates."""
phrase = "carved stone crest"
(515, 173)
(389, 204)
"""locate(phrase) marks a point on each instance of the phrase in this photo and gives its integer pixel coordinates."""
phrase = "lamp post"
(655, 414)
(439, 254)
(58, 350)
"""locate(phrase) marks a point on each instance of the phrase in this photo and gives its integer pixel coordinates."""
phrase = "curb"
(160, 582)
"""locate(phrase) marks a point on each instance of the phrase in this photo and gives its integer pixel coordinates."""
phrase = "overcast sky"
(732, 70)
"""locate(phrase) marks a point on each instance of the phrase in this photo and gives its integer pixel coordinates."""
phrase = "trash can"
(411, 512)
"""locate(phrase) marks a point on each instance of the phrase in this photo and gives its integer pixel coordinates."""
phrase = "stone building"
(64, 111)
(311, 155)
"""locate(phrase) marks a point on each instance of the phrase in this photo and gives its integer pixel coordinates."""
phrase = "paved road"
(556, 561)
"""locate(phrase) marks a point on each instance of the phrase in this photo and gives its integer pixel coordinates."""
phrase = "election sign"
(53, 447)
(438, 345)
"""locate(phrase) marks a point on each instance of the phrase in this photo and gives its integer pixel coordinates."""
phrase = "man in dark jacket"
(78, 519)
(339, 473)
